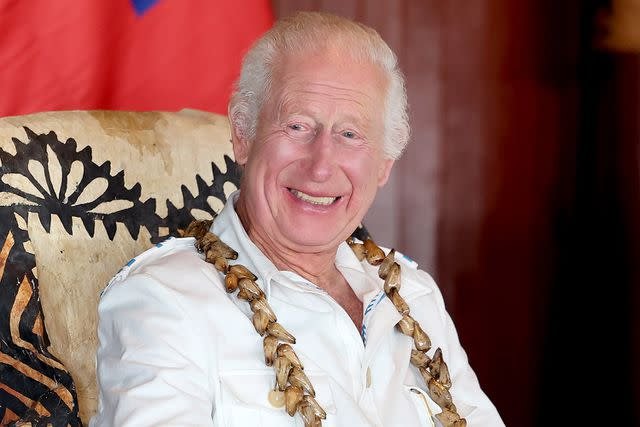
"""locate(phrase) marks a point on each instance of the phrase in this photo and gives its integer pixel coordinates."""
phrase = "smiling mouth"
(321, 201)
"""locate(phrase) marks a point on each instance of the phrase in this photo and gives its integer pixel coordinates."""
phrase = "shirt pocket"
(425, 407)
(244, 400)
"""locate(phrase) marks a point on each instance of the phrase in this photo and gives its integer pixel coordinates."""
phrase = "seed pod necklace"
(292, 388)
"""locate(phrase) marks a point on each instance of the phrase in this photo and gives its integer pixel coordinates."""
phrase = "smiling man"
(294, 324)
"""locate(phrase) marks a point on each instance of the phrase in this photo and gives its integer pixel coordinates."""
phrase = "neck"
(317, 267)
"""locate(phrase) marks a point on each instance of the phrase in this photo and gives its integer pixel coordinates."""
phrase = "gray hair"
(316, 30)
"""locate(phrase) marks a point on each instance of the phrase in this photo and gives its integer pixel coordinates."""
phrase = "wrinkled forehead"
(329, 81)
(330, 69)
(317, 99)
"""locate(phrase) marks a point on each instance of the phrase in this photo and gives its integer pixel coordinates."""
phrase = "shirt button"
(368, 377)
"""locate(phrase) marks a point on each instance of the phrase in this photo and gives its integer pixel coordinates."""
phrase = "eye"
(299, 130)
(349, 134)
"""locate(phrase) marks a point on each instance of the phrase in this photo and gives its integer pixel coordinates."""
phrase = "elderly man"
(272, 318)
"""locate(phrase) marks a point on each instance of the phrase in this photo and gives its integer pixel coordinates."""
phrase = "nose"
(321, 157)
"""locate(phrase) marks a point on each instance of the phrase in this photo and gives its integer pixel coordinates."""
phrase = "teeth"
(311, 199)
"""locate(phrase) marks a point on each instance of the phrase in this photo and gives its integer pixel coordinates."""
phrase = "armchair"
(82, 192)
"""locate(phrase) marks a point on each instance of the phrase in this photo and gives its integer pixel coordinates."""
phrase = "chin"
(312, 236)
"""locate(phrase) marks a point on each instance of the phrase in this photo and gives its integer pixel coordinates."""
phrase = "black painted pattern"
(26, 366)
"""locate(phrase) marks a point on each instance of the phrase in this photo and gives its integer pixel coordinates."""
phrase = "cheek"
(363, 177)
(271, 161)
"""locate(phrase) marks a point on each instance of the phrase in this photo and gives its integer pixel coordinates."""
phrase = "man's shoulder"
(414, 278)
(166, 261)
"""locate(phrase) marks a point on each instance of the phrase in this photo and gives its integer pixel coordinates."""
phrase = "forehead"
(305, 79)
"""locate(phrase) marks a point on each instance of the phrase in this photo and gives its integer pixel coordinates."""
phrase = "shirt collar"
(360, 275)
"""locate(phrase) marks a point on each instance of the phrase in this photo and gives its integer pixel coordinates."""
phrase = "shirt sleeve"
(150, 372)
(470, 400)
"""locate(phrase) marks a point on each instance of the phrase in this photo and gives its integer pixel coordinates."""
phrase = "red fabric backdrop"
(124, 54)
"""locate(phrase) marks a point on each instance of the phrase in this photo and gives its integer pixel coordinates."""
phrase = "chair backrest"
(82, 192)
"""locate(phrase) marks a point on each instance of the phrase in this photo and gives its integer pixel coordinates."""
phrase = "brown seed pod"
(308, 415)
(439, 394)
(231, 282)
(392, 281)
(358, 249)
(374, 254)
(292, 396)
(281, 333)
(220, 249)
(260, 321)
(299, 378)
(439, 369)
(262, 305)
(317, 409)
(287, 351)
(386, 263)
(406, 325)
(204, 243)
(420, 338)
(243, 294)
(449, 418)
(211, 244)
(197, 228)
(282, 365)
(250, 287)
(242, 272)
(210, 254)
(398, 301)
(419, 359)
(269, 345)
(220, 264)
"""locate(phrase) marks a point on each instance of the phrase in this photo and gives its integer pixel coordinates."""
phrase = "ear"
(239, 141)
(384, 171)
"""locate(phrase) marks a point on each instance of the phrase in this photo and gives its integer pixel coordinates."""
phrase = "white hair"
(305, 31)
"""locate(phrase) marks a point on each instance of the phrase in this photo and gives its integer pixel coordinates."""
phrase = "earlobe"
(385, 171)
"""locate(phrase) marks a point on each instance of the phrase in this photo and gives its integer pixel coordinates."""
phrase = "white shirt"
(177, 349)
